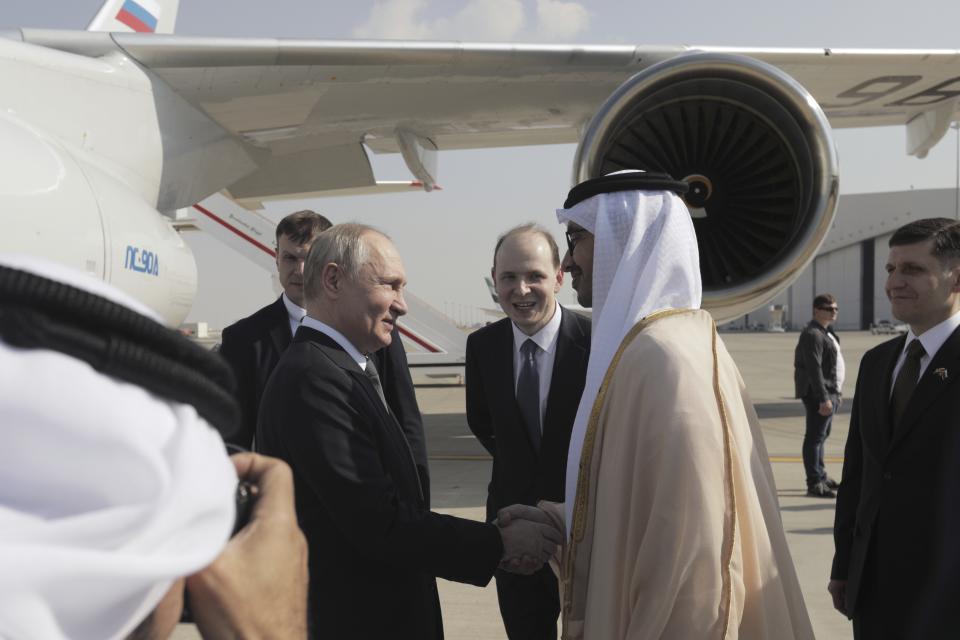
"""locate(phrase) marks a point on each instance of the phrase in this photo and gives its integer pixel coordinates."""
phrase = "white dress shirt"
(294, 313)
(841, 365)
(337, 337)
(546, 339)
(931, 339)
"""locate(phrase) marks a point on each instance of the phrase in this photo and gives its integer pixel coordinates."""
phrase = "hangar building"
(850, 264)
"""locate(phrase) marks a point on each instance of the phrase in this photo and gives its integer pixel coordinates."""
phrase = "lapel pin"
(941, 373)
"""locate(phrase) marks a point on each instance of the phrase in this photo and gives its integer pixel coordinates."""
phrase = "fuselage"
(81, 167)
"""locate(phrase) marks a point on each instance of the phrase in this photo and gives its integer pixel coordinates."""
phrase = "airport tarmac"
(460, 470)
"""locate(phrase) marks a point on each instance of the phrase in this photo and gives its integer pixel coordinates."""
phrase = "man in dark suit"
(525, 423)
(253, 345)
(896, 570)
(818, 372)
(375, 547)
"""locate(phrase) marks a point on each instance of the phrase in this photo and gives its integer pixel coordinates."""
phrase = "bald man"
(521, 401)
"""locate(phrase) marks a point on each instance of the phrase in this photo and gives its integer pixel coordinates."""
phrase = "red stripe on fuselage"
(420, 341)
(133, 22)
(227, 225)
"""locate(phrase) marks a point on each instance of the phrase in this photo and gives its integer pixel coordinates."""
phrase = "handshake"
(531, 536)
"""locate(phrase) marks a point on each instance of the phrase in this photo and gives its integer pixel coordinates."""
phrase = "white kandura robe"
(676, 527)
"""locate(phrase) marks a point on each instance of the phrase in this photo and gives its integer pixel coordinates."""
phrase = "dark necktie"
(906, 382)
(374, 377)
(528, 390)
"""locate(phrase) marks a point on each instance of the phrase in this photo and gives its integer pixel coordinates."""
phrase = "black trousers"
(815, 436)
(529, 605)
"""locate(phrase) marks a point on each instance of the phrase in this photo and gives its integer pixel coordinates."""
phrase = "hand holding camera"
(257, 587)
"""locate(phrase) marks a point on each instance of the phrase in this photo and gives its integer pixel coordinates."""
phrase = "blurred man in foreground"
(115, 488)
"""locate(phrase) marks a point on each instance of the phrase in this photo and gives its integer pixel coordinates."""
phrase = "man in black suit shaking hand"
(375, 547)
(896, 570)
(253, 345)
(524, 377)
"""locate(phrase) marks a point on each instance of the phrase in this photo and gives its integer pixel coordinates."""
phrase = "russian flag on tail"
(140, 16)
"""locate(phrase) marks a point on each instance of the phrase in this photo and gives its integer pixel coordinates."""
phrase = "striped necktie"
(374, 376)
(906, 382)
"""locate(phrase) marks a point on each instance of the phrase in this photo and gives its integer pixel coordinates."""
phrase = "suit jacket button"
(887, 475)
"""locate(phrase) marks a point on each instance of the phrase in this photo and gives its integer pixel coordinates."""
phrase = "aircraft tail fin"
(150, 16)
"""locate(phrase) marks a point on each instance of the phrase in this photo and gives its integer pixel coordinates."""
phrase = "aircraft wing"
(305, 110)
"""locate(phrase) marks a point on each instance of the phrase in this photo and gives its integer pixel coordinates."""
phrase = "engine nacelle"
(56, 203)
(757, 152)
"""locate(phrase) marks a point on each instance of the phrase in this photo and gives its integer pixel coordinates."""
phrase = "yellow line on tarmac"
(484, 458)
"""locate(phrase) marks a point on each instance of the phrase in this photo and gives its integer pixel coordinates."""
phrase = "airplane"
(107, 135)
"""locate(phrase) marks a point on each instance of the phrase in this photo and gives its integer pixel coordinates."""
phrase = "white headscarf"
(108, 494)
(645, 259)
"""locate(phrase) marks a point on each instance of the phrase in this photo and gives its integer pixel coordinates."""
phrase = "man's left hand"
(838, 591)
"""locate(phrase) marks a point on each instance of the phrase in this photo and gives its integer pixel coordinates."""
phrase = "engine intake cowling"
(758, 155)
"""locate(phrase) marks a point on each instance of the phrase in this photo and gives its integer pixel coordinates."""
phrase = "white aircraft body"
(106, 135)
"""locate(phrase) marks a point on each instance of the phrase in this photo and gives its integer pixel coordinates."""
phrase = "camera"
(243, 497)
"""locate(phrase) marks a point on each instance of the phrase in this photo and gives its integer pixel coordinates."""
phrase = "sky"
(446, 237)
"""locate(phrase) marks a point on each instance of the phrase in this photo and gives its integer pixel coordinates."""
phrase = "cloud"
(557, 19)
(395, 19)
(496, 20)
(488, 20)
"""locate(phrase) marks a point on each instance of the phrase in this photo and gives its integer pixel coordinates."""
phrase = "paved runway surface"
(460, 471)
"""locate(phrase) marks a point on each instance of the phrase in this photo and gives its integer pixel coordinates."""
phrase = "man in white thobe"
(671, 509)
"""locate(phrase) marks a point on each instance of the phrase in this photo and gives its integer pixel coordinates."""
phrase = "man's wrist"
(500, 541)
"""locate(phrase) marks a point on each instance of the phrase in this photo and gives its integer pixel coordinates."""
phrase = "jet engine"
(757, 152)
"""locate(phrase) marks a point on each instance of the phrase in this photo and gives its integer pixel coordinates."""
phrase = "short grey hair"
(341, 244)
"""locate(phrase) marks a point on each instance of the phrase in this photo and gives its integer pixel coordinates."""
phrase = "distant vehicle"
(885, 326)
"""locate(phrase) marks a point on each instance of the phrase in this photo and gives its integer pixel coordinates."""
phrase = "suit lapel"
(342, 359)
(280, 334)
(883, 380)
(936, 378)
(330, 348)
(563, 378)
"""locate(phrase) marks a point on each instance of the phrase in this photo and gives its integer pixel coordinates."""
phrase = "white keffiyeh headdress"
(108, 493)
(645, 259)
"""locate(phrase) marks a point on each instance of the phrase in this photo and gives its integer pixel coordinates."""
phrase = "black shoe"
(831, 483)
(820, 490)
